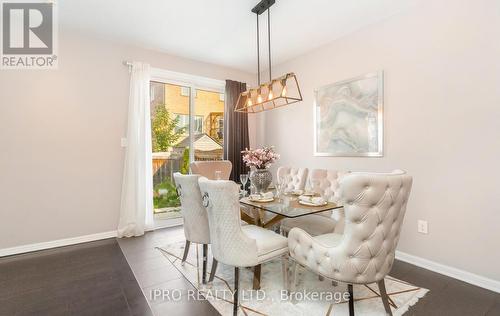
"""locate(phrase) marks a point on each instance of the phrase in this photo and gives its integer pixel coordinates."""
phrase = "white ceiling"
(223, 32)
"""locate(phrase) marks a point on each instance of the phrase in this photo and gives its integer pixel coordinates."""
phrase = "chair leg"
(384, 296)
(256, 277)
(284, 270)
(204, 276)
(351, 300)
(292, 275)
(236, 289)
(283, 232)
(321, 278)
(334, 283)
(295, 275)
(212, 272)
(186, 251)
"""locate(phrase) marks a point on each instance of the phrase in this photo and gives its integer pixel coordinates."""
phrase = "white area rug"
(270, 300)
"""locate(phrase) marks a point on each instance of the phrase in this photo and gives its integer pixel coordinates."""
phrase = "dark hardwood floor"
(447, 296)
(96, 279)
(86, 279)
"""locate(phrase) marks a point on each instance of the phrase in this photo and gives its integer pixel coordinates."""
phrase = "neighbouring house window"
(184, 123)
(185, 91)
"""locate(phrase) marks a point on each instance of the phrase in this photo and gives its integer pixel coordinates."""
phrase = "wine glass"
(244, 180)
(288, 186)
(253, 189)
(280, 186)
(308, 187)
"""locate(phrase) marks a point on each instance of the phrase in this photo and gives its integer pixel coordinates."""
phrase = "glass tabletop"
(289, 207)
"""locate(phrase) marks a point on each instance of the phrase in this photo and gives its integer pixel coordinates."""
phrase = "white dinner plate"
(311, 204)
(308, 194)
(262, 200)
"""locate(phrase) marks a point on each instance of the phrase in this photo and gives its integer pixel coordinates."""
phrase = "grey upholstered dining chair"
(325, 183)
(374, 205)
(195, 218)
(232, 243)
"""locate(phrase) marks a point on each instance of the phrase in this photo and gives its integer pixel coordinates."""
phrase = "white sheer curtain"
(136, 211)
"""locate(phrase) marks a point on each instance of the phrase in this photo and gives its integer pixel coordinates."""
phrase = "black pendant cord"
(258, 51)
(269, 40)
(260, 8)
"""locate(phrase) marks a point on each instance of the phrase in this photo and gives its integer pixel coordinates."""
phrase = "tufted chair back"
(296, 177)
(229, 244)
(374, 205)
(192, 210)
(208, 168)
(327, 183)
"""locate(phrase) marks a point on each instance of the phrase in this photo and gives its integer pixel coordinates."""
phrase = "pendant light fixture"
(277, 92)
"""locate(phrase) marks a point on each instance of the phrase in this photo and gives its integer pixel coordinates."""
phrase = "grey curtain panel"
(235, 129)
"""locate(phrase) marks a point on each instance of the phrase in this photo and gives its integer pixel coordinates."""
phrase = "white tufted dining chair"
(295, 177)
(232, 243)
(325, 183)
(195, 218)
(374, 205)
(208, 168)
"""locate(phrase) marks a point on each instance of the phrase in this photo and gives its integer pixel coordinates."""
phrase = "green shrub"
(185, 161)
(164, 128)
(171, 199)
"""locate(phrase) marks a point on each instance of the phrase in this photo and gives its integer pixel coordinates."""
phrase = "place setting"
(262, 197)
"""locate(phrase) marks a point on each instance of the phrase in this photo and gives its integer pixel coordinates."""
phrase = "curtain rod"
(128, 64)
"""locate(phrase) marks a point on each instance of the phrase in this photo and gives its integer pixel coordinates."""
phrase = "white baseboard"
(478, 280)
(55, 243)
(166, 223)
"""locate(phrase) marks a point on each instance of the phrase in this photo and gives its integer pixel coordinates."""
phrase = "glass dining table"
(281, 208)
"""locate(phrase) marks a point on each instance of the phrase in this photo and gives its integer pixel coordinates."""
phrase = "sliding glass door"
(186, 124)
(170, 136)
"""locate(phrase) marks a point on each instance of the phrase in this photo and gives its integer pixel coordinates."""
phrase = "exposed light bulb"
(283, 92)
(249, 102)
(271, 96)
(259, 98)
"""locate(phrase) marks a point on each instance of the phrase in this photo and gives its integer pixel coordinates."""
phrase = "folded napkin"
(267, 195)
(312, 199)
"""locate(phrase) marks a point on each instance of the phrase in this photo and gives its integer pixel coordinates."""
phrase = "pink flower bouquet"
(260, 158)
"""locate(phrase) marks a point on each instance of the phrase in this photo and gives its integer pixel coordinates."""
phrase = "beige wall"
(60, 155)
(442, 112)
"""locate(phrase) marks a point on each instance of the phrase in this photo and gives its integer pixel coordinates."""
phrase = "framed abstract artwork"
(348, 117)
